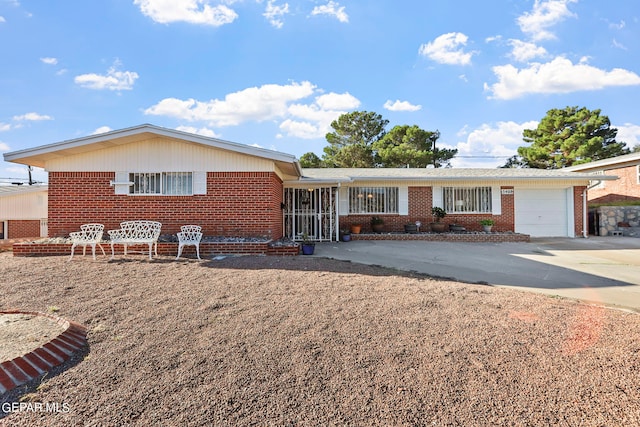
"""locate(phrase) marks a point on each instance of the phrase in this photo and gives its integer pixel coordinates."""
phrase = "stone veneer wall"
(610, 216)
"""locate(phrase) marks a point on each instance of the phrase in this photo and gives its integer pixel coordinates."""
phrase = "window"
(467, 200)
(638, 173)
(373, 200)
(171, 183)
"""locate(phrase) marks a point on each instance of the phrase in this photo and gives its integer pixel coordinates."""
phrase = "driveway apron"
(602, 270)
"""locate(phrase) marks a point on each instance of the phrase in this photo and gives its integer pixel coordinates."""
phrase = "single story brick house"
(23, 211)
(626, 188)
(230, 189)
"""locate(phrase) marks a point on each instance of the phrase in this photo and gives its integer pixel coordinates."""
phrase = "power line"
(482, 157)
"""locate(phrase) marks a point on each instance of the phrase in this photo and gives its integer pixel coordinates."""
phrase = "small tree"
(350, 143)
(570, 136)
(310, 160)
(410, 146)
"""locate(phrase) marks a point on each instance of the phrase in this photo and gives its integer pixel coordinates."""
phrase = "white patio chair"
(189, 235)
(89, 235)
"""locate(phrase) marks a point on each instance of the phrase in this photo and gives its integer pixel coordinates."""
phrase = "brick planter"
(447, 237)
(25, 249)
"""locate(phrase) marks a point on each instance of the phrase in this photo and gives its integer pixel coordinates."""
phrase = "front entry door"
(310, 211)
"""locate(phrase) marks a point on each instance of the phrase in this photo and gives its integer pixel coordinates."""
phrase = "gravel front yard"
(308, 341)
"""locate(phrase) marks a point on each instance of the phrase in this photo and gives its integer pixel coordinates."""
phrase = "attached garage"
(544, 212)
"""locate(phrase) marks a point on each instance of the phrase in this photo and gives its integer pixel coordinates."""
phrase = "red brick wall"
(236, 204)
(578, 211)
(624, 189)
(420, 203)
(22, 228)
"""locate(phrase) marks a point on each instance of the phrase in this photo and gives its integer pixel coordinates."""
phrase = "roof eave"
(30, 156)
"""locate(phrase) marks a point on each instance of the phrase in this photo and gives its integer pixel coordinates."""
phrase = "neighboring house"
(230, 189)
(23, 211)
(626, 188)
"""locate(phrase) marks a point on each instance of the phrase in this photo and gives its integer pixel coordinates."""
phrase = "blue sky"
(276, 73)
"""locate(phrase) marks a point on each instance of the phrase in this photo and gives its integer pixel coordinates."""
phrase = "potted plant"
(487, 224)
(345, 235)
(308, 245)
(355, 228)
(438, 213)
(377, 224)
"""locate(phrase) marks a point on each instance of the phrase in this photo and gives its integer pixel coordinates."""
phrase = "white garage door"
(541, 213)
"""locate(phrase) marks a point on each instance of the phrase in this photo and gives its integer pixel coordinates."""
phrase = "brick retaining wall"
(25, 249)
(447, 237)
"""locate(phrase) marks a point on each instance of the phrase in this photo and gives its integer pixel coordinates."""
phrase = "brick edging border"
(29, 366)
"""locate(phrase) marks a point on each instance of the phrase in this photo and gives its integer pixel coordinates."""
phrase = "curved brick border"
(25, 368)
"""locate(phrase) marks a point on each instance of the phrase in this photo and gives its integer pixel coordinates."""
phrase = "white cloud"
(4, 147)
(2, 19)
(628, 133)
(618, 26)
(280, 103)
(332, 9)
(49, 60)
(102, 129)
(447, 49)
(490, 146)
(337, 101)
(618, 45)
(275, 13)
(4, 127)
(310, 121)
(198, 131)
(191, 11)
(32, 117)
(525, 51)
(557, 76)
(113, 80)
(545, 14)
(304, 130)
(253, 104)
(401, 106)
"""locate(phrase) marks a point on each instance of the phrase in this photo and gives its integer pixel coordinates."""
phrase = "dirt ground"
(21, 333)
(309, 341)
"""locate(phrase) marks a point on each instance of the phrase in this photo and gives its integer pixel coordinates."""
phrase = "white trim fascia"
(622, 161)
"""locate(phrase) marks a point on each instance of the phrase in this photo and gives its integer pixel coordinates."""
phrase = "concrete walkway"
(604, 270)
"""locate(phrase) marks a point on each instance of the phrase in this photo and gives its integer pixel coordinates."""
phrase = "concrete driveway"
(604, 270)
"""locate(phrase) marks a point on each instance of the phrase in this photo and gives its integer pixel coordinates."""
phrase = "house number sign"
(508, 191)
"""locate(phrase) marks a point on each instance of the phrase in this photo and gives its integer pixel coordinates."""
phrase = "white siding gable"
(159, 154)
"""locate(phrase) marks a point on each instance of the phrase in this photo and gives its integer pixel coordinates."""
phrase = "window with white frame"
(373, 200)
(169, 183)
(638, 173)
(467, 199)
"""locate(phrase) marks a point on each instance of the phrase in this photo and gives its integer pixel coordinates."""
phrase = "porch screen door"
(311, 211)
